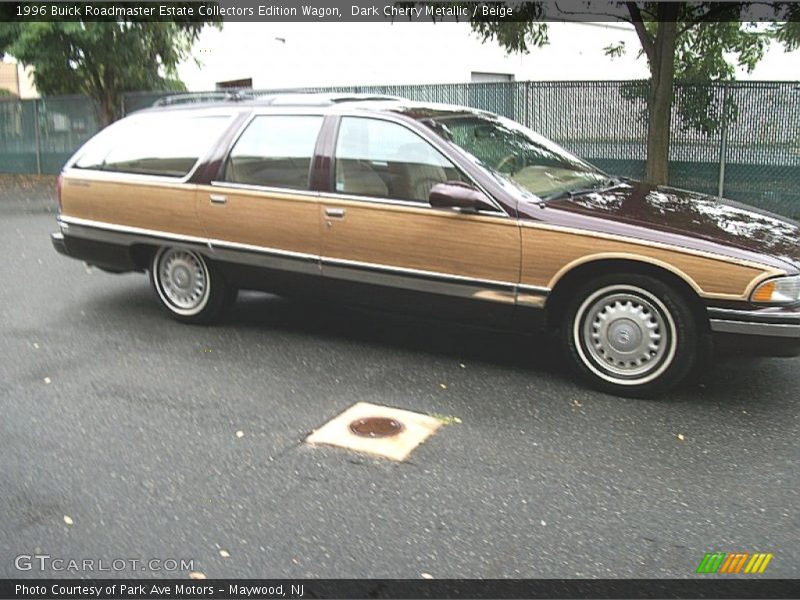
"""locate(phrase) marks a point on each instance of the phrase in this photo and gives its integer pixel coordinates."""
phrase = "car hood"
(692, 214)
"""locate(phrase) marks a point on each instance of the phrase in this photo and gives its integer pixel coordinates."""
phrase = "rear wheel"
(189, 286)
(630, 335)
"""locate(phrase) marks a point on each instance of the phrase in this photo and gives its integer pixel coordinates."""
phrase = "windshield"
(519, 156)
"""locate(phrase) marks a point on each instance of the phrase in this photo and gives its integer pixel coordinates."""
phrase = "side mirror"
(456, 194)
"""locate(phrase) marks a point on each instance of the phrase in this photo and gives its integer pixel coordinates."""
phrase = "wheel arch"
(142, 255)
(570, 278)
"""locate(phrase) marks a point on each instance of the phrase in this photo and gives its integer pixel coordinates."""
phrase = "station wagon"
(430, 209)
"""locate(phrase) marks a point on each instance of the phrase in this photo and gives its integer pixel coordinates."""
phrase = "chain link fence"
(747, 146)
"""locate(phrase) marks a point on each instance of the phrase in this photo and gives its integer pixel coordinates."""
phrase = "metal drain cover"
(376, 427)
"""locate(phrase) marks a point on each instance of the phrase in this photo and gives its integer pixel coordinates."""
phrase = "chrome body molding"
(782, 324)
(372, 200)
(265, 189)
(506, 292)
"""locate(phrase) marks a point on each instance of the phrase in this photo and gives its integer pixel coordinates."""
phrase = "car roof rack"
(271, 98)
(231, 95)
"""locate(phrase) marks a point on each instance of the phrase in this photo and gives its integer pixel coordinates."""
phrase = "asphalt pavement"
(118, 441)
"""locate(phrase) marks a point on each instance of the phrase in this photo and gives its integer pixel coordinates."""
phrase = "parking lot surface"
(118, 440)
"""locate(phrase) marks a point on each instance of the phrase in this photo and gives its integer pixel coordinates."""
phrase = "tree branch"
(711, 15)
(644, 37)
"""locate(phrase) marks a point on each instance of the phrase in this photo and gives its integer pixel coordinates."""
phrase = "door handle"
(335, 213)
(218, 198)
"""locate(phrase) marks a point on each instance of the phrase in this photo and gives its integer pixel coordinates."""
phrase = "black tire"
(630, 335)
(189, 286)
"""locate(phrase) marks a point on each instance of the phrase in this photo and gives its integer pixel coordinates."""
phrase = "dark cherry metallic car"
(436, 209)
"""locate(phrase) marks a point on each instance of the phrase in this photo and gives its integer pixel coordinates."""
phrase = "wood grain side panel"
(547, 255)
(75, 202)
(276, 220)
(423, 239)
(146, 205)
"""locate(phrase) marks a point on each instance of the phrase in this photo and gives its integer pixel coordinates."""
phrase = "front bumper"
(768, 331)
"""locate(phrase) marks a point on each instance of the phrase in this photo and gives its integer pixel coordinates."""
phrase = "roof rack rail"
(232, 95)
(365, 98)
(273, 98)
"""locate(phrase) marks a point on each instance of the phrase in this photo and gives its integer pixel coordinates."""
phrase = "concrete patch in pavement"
(374, 429)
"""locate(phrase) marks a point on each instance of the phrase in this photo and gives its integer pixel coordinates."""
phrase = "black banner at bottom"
(173, 589)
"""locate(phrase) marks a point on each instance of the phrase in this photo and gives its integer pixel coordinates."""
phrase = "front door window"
(382, 159)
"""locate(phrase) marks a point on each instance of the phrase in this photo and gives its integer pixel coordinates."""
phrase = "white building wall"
(277, 55)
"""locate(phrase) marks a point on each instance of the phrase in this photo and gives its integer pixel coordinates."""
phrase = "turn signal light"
(764, 292)
(780, 290)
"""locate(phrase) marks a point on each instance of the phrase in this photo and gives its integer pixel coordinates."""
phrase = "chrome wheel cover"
(625, 335)
(182, 280)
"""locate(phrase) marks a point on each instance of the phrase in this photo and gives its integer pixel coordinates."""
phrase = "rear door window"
(275, 151)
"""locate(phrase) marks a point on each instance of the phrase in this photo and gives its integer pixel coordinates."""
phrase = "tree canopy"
(101, 59)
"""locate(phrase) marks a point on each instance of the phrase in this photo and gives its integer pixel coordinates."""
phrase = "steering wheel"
(506, 161)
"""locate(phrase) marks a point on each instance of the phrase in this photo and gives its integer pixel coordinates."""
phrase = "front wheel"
(631, 335)
(189, 286)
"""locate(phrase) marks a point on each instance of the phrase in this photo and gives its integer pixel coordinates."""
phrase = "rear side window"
(162, 144)
(275, 151)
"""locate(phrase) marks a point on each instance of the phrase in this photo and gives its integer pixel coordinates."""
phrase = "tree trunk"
(108, 108)
(662, 78)
(106, 113)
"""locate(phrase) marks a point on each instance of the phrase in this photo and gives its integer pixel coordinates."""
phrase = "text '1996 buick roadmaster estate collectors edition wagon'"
(440, 209)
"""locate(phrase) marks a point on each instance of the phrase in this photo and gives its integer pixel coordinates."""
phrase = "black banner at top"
(180, 589)
(361, 11)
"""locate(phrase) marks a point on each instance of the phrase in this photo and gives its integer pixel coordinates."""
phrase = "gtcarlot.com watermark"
(46, 562)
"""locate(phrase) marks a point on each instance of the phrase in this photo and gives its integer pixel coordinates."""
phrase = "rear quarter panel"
(142, 203)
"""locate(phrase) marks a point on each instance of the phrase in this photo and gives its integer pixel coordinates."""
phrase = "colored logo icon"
(734, 562)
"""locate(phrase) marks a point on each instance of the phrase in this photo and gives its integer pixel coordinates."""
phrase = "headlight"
(781, 290)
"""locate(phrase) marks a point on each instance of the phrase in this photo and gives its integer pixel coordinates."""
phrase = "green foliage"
(103, 59)
(617, 49)
(519, 35)
(707, 52)
(712, 41)
(9, 30)
(172, 85)
(788, 31)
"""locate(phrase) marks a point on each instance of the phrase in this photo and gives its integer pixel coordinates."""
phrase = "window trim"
(499, 211)
(218, 180)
